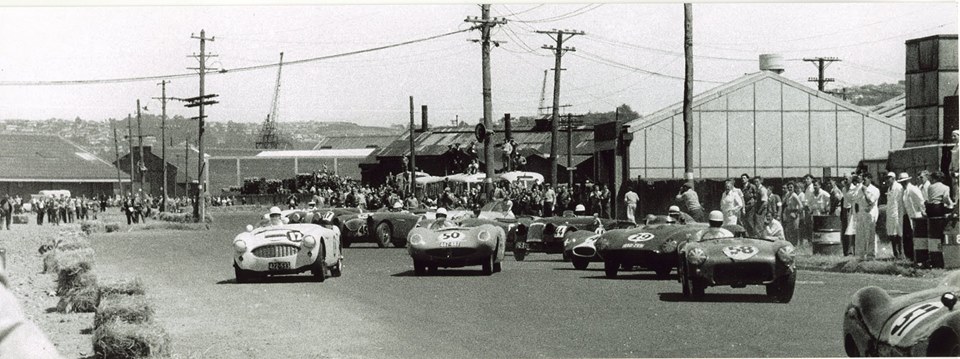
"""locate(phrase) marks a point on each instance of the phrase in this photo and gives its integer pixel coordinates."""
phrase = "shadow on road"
(634, 276)
(275, 279)
(443, 273)
(715, 298)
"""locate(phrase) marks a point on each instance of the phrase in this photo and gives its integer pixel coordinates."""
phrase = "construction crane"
(269, 133)
(543, 95)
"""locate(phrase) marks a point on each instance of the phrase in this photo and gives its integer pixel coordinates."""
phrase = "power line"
(608, 62)
(577, 12)
(519, 12)
(224, 71)
(663, 51)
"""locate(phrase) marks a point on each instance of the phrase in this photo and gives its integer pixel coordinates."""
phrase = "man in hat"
(894, 225)
(866, 239)
(689, 199)
(275, 216)
(911, 208)
(678, 216)
(311, 206)
(716, 229)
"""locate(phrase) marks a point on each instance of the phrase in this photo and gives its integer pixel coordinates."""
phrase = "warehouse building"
(31, 163)
(229, 171)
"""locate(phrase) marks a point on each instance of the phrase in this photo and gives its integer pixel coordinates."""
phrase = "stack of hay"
(123, 324)
(70, 257)
(97, 226)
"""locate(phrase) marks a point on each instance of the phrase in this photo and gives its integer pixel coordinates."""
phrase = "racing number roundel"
(640, 237)
(740, 252)
(910, 318)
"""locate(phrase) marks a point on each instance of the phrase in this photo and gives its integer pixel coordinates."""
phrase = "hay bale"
(80, 300)
(181, 217)
(112, 227)
(129, 308)
(54, 259)
(123, 287)
(117, 339)
(76, 275)
(69, 240)
(21, 219)
(93, 226)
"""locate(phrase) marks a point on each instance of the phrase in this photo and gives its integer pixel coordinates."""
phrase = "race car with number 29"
(924, 323)
(443, 243)
(287, 249)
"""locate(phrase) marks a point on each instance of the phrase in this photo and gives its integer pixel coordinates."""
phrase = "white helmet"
(275, 210)
(397, 205)
(441, 211)
(580, 208)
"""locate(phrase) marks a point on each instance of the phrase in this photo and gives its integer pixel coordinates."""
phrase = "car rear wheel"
(580, 262)
(781, 290)
(383, 234)
(419, 268)
(487, 265)
(611, 267)
(319, 269)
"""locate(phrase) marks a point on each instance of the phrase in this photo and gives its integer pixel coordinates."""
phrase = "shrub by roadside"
(850, 264)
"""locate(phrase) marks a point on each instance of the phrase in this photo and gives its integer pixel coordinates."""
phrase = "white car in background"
(287, 249)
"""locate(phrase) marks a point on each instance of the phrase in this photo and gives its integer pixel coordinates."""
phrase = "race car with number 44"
(287, 249)
(737, 262)
(924, 323)
(443, 243)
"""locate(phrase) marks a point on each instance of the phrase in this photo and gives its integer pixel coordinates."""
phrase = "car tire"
(383, 234)
(400, 243)
(610, 268)
(487, 266)
(781, 290)
(432, 269)
(566, 257)
(319, 269)
(663, 271)
(580, 262)
(519, 255)
(242, 275)
(337, 269)
(345, 243)
(419, 268)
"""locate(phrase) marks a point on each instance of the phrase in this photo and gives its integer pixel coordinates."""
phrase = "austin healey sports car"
(548, 234)
(444, 243)
(737, 262)
(924, 323)
(287, 249)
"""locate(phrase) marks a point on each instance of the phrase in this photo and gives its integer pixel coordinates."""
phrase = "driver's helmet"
(441, 213)
(714, 233)
(579, 210)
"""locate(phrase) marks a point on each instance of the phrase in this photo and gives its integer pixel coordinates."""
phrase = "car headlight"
(785, 254)
(668, 247)
(483, 236)
(239, 245)
(415, 239)
(309, 242)
(696, 256)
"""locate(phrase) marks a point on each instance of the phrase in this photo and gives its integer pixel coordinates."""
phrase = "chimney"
(507, 127)
(423, 119)
(772, 63)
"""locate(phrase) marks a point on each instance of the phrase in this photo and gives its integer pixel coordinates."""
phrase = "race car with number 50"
(737, 262)
(444, 243)
(287, 249)
(924, 323)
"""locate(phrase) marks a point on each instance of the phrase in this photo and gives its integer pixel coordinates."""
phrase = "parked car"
(443, 243)
(287, 249)
(924, 323)
(737, 262)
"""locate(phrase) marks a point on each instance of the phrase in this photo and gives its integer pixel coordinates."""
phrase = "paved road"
(539, 307)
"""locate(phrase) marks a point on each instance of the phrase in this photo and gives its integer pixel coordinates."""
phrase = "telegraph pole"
(688, 92)
(130, 145)
(116, 149)
(570, 123)
(140, 165)
(559, 50)
(485, 23)
(199, 207)
(821, 63)
(413, 154)
(163, 141)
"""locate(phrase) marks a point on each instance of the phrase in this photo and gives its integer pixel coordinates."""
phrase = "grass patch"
(129, 308)
(84, 299)
(850, 264)
(123, 287)
(117, 339)
(181, 217)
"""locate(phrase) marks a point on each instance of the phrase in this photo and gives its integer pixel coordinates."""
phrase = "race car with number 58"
(737, 262)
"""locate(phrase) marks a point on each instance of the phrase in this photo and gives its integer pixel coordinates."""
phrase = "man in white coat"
(894, 225)
(867, 221)
(911, 208)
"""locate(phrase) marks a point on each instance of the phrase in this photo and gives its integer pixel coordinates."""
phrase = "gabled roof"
(435, 142)
(354, 142)
(50, 158)
(892, 108)
(745, 80)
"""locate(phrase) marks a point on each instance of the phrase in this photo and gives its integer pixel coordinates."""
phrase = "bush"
(123, 287)
(75, 274)
(129, 308)
(119, 339)
(94, 226)
(80, 300)
(181, 217)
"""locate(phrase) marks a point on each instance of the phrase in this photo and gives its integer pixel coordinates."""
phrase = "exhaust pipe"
(587, 249)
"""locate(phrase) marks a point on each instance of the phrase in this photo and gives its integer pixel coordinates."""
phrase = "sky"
(612, 64)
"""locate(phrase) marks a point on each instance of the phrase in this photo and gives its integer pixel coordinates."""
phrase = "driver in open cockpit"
(442, 221)
(274, 218)
(716, 229)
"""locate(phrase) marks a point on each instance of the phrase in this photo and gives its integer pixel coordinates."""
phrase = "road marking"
(816, 282)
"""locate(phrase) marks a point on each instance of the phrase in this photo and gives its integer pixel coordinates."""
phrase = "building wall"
(767, 128)
(89, 189)
(230, 172)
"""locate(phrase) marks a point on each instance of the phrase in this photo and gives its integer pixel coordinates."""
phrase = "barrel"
(920, 241)
(826, 236)
(935, 228)
(951, 245)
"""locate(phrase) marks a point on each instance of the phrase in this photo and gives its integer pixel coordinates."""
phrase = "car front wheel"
(610, 268)
(487, 266)
(580, 262)
(781, 290)
(419, 268)
(319, 269)
(242, 275)
(383, 234)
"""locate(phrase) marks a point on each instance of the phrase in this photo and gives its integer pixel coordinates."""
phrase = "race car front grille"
(275, 250)
(743, 272)
(535, 231)
(450, 252)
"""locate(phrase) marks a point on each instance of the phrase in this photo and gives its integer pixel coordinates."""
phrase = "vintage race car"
(548, 234)
(287, 249)
(381, 227)
(652, 246)
(924, 323)
(444, 243)
(738, 262)
(580, 247)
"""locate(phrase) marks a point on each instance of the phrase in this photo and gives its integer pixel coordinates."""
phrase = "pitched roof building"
(30, 163)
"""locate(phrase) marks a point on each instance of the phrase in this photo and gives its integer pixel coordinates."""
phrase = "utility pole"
(163, 141)
(821, 63)
(559, 50)
(688, 92)
(116, 149)
(485, 23)
(199, 207)
(130, 145)
(413, 154)
(186, 165)
(141, 166)
(570, 124)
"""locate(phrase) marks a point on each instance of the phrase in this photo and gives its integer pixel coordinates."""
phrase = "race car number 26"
(909, 319)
